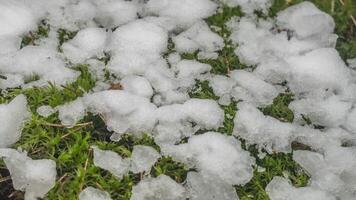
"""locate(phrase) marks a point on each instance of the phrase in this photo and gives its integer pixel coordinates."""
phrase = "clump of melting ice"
(91, 193)
(12, 119)
(215, 155)
(141, 160)
(160, 188)
(280, 189)
(34, 177)
(203, 188)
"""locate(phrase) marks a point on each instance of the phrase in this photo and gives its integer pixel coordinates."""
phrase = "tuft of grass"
(32, 37)
(279, 108)
(65, 35)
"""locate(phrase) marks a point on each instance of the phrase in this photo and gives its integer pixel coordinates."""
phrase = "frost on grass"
(34, 177)
(12, 119)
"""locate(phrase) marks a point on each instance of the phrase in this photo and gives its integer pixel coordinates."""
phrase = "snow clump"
(34, 177)
(12, 119)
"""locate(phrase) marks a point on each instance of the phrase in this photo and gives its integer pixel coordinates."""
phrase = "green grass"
(70, 147)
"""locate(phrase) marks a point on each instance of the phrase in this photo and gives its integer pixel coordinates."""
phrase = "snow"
(137, 85)
(87, 43)
(111, 161)
(266, 131)
(206, 113)
(71, 113)
(350, 123)
(16, 18)
(184, 12)
(200, 188)
(45, 111)
(9, 44)
(249, 6)
(160, 188)
(34, 177)
(143, 158)
(135, 45)
(331, 171)
(263, 93)
(22, 65)
(306, 20)
(112, 14)
(215, 155)
(91, 193)
(145, 41)
(329, 112)
(198, 37)
(188, 71)
(12, 119)
(280, 189)
(318, 70)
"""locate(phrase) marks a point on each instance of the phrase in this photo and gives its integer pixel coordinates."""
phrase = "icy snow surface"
(295, 52)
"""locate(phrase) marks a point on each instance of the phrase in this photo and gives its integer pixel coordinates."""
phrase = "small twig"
(69, 89)
(332, 6)
(351, 16)
(12, 194)
(99, 186)
(353, 20)
(65, 126)
(64, 136)
(36, 151)
(62, 178)
(86, 167)
(4, 179)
